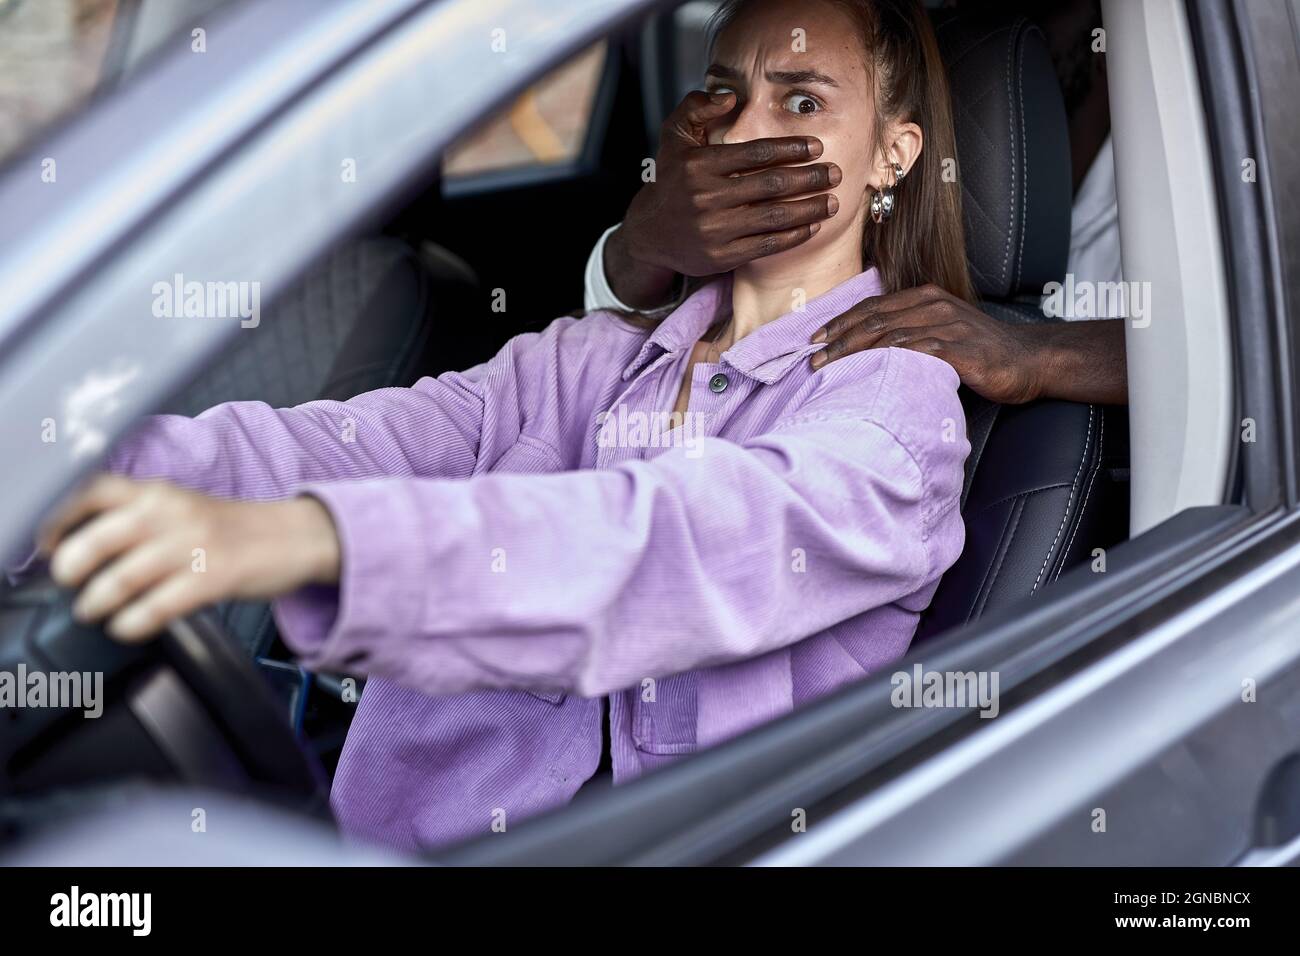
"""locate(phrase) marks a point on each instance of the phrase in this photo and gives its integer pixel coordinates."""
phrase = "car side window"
(546, 125)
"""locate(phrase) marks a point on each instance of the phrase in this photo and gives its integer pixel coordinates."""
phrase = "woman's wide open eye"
(802, 103)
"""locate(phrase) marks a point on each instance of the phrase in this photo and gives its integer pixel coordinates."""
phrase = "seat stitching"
(1024, 162)
(1008, 536)
(975, 598)
(1004, 224)
(1066, 517)
(971, 44)
(1083, 508)
(1011, 135)
(1023, 494)
(979, 455)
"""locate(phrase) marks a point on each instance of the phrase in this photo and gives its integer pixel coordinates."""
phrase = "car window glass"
(547, 124)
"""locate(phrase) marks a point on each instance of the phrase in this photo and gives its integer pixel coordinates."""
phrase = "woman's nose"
(745, 124)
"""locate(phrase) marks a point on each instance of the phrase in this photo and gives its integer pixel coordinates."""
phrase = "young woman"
(501, 549)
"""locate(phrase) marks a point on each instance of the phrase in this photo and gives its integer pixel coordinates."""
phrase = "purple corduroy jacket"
(525, 537)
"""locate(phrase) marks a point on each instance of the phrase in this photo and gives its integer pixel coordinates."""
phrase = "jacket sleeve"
(250, 450)
(593, 580)
(444, 427)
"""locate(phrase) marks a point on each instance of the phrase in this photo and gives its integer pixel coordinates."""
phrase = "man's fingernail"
(814, 228)
(834, 175)
(815, 147)
(718, 98)
(832, 204)
(819, 359)
(819, 335)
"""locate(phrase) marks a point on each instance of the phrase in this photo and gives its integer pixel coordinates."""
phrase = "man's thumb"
(699, 109)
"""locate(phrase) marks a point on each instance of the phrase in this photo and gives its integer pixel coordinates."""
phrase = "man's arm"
(1083, 361)
(648, 285)
(1010, 364)
(709, 208)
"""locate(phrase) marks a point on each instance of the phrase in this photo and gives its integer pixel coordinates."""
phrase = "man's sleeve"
(599, 294)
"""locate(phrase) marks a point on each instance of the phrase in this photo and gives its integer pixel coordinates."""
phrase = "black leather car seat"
(1046, 482)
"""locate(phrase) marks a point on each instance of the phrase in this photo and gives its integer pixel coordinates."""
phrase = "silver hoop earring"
(884, 200)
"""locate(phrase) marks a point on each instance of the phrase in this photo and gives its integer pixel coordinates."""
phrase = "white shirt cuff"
(597, 292)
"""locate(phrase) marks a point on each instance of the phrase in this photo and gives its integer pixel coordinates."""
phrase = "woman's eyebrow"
(789, 77)
(800, 77)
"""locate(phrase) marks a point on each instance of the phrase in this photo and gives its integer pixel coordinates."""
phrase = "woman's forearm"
(251, 451)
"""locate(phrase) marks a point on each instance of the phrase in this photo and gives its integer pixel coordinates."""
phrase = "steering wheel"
(187, 708)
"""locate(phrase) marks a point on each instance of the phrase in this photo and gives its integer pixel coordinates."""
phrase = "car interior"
(1048, 485)
(368, 316)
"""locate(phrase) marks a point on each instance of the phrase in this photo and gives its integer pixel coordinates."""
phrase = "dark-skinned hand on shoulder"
(1004, 362)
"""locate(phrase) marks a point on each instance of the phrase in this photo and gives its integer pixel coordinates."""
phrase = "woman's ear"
(905, 141)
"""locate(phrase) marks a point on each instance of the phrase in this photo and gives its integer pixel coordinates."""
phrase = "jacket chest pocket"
(664, 714)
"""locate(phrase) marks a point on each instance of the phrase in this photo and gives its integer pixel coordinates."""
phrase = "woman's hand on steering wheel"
(144, 553)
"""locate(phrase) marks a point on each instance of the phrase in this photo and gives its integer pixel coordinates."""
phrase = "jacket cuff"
(381, 590)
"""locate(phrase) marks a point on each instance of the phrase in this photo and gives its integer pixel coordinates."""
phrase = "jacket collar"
(768, 352)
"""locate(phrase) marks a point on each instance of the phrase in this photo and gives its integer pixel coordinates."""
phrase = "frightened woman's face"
(800, 69)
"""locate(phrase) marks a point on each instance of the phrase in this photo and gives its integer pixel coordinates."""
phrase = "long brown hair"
(924, 242)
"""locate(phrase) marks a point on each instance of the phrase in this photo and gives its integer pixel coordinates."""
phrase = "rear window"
(546, 125)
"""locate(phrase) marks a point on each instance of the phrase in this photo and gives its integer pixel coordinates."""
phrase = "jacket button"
(719, 383)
